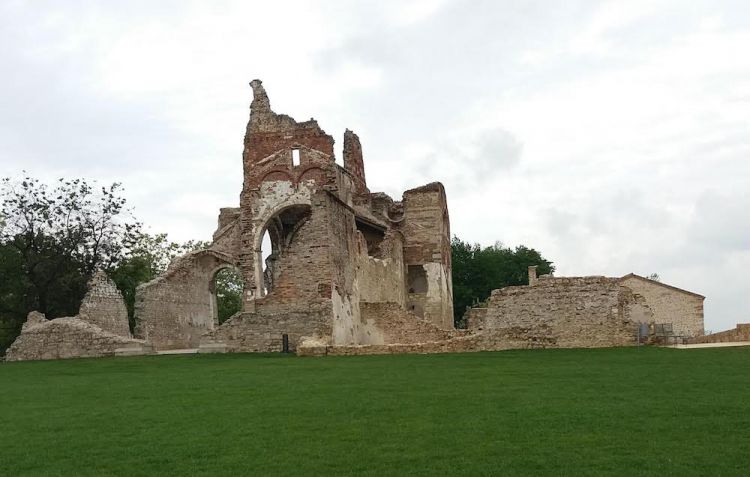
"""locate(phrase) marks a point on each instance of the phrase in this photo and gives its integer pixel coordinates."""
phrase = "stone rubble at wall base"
(100, 329)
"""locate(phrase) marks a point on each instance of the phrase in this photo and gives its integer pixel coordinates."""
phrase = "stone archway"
(173, 310)
(226, 288)
(281, 229)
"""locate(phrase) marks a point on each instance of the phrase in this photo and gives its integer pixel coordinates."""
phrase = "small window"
(295, 157)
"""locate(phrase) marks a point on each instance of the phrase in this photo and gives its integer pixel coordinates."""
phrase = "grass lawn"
(624, 411)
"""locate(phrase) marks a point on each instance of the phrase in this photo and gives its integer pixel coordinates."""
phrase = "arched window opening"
(269, 262)
(278, 235)
(227, 288)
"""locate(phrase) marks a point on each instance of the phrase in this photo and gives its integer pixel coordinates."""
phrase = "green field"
(627, 411)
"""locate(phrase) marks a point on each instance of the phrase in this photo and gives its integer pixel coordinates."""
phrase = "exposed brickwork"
(353, 161)
(381, 279)
(397, 325)
(426, 229)
(227, 236)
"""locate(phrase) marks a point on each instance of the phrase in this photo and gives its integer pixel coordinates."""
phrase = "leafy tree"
(477, 271)
(13, 296)
(52, 239)
(228, 289)
(59, 236)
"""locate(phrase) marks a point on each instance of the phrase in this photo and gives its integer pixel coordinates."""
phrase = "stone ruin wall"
(427, 253)
(100, 328)
(63, 338)
(575, 312)
(740, 333)
(381, 279)
(226, 238)
(564, 312)
(263, 331)
(683, 309)
(175, 309)
(104, 306)
(389, 323)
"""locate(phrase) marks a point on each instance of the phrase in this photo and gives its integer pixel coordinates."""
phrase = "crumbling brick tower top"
(286, 164)
(292, 186)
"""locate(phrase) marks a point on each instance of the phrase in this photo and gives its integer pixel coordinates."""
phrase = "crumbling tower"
(346, 266)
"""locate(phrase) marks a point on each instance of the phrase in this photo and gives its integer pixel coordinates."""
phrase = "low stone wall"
(565, 312)
(256, 332)
(391, 323)
(467, 342)
(740, 333)
(63, 338)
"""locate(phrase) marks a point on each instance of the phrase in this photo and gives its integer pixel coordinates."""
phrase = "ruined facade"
(341, 257)
(348, 272)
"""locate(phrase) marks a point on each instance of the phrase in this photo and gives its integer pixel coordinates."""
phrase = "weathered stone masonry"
(682, 309)
(100, 328)
(564, 312)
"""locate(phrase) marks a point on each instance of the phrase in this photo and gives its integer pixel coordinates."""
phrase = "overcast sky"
(614, 137)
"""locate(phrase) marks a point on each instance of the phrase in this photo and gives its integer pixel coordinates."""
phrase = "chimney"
(532, 275)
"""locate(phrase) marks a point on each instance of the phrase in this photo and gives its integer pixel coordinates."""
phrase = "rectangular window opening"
(295, 157)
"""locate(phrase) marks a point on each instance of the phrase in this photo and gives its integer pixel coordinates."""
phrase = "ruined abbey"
(350, 271)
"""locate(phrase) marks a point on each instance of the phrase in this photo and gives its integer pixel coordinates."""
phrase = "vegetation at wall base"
(621, 411)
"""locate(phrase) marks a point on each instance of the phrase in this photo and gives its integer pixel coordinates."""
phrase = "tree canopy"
(52, 239)
(479, 270)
